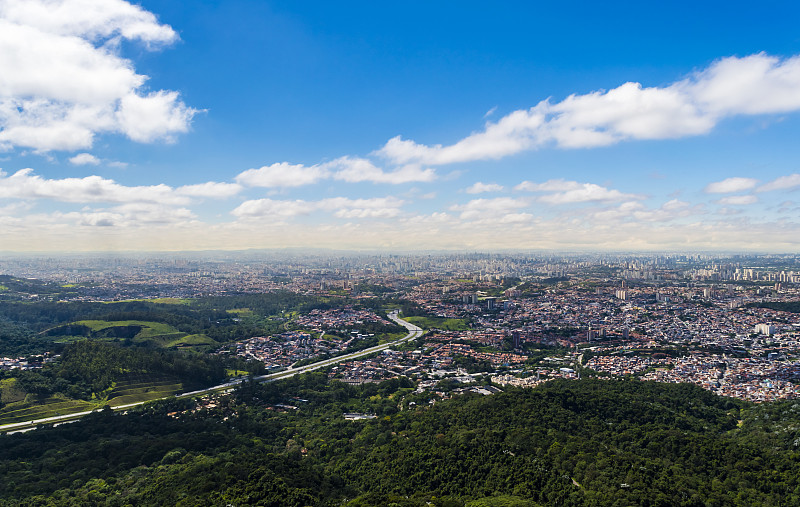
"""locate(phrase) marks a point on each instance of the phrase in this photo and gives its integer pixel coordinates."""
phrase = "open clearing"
(136, 388)
(438, 323)
(49, 407)
(139, 331)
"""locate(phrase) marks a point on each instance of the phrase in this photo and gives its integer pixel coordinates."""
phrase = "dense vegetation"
(88, 368)
(36, 327)
(585, 442)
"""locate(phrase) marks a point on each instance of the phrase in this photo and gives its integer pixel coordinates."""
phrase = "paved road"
(414, 332)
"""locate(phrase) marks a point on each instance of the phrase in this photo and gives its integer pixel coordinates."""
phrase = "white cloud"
(84, 159)
(349, 169)
(567, 192)
(479, 187)
(354, 170)
(93, 19)
(729, 185)
(259, 208)
(157, 115)
(489, 209)
(738, 200)
(282, 174)
(624, 210)
(63, 80)
(342, 207)
(670, 210)
(210, 189)
(782, 183)
(512, 134)
(131, 215)
(25, 185)
(756, 84)
(14, 207)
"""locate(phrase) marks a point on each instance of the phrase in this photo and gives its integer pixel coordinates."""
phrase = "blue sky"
(407, 126)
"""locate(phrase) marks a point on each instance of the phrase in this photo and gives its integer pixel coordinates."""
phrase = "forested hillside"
(36, 327)
(587, 442)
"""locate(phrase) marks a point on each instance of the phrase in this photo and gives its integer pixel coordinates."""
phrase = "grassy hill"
(156, 334)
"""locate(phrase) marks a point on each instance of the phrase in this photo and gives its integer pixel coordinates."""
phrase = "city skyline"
(168, 126)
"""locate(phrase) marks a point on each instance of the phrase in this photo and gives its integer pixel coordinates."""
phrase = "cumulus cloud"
(490, 209)
(354, 170)
(342, 207)
(636, 211)
(568, 192)
(84, 159)
(738, 200)
(24, 184)
(63, 79)
(729, 185)
(478, 188)
(210, 189)
(282, 174)
(131, 215)
(783, 183)
(733, 86)
(349, 169)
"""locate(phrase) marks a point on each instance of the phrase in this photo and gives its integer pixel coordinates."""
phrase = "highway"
(414, 332)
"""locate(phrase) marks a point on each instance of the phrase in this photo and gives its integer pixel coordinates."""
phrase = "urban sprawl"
(723, 322)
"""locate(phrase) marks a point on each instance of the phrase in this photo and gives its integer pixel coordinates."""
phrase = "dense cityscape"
(713, 320)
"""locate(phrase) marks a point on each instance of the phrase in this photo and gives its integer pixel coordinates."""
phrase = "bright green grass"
(149, 329)
(156, 333)
(143, 387)
(161, 301)
(71, 339)
(191, 340)
(3, 288)
(144, 393)
(438, 323)
(171, 301)
(241, 312)
(9, 393)
(49, 407)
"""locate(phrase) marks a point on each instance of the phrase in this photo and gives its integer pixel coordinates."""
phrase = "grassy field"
(438, 323)
(136, 388)
(152, 333)
(161, 301)
(21, 407)
(9, 393)
(150, 328)
(191, 340)
(40, 409)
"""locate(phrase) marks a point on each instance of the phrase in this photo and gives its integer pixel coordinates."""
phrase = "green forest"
(40, 326)
(588, 442)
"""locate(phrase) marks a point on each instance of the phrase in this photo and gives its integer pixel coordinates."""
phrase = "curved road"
(414, 332)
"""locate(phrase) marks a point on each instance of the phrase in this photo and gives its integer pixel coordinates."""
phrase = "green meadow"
(138, 331)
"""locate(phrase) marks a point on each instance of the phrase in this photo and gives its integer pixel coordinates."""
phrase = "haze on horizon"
(177, 126)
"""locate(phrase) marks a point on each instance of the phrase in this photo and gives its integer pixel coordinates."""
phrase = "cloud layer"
(62, 81)
(733, 86)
